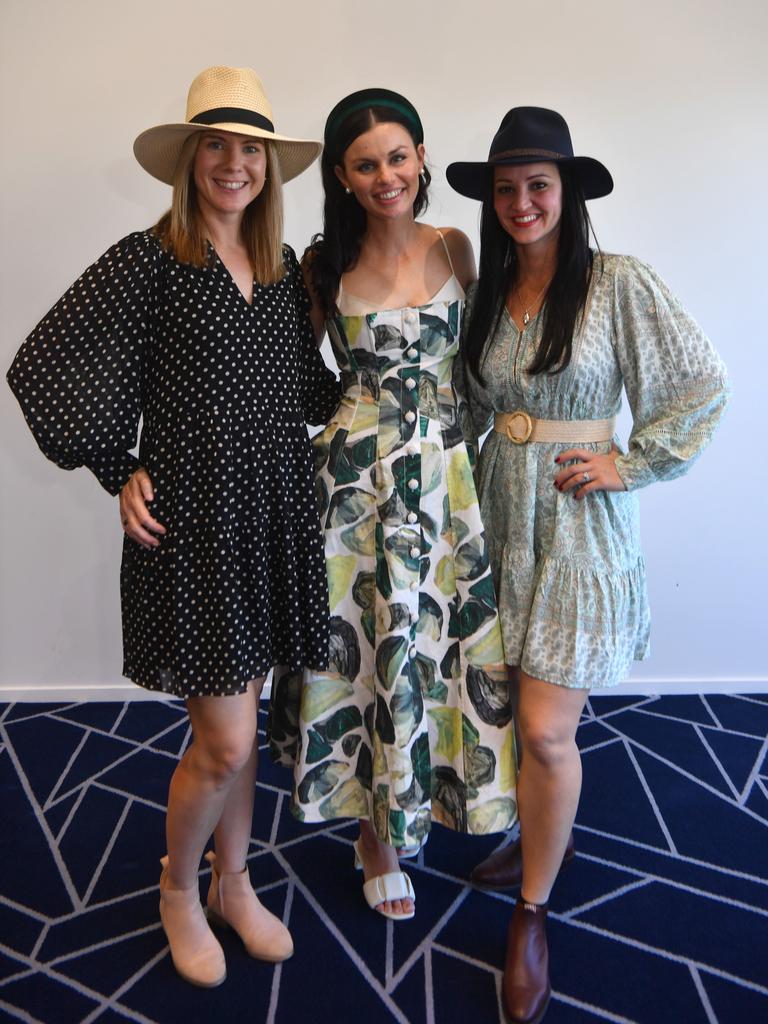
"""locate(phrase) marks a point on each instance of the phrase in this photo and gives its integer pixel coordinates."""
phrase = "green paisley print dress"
(570, 575)
(413, 722)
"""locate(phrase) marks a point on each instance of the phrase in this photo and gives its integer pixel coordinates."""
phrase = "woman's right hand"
(134, 514)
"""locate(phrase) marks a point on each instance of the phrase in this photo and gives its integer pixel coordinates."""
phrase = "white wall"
(671, 96)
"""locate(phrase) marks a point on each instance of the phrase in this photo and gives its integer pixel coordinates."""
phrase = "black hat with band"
(530, 135)
(364, 99)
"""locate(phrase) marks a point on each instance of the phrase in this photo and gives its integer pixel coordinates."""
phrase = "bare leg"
(549, 783)
(233, 831)
(224, 737)
(379, 859)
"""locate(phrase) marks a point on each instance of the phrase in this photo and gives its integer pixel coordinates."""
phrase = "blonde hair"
(181, 229)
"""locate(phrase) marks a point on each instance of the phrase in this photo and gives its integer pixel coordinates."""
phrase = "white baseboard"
(129, 691)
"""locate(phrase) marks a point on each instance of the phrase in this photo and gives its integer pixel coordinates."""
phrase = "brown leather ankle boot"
(503, 869)
(525, 988)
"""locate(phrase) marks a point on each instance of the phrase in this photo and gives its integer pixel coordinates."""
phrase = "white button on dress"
(410, 416)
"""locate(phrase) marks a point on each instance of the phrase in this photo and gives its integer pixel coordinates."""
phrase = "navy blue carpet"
(662, 918)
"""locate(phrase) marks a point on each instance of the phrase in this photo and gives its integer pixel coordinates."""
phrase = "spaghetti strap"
(447, 253)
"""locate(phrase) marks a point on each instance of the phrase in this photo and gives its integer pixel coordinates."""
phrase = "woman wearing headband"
(411, 724)
(556, 331)
(200, 325)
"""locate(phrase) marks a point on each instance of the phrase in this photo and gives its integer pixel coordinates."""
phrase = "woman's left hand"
(591, 472)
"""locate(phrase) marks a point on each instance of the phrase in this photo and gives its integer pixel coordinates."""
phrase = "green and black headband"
(362, 100)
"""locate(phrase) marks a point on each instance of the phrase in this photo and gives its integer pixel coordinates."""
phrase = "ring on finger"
(585, 477)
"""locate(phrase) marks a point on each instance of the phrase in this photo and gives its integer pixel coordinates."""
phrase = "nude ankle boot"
(232, 901)
(195, 950)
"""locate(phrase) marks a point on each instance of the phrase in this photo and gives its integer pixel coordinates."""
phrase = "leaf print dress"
(412, 724)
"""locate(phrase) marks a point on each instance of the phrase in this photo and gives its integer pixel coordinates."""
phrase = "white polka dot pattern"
(225, 388)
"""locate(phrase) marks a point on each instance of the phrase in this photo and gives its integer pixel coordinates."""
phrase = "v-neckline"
(235, 285)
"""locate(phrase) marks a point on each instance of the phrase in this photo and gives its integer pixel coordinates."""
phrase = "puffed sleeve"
(320, 388)
(675, 381)
(475, 410)
(78, 375)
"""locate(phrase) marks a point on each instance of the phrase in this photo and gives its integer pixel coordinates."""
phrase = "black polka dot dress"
(224, 390)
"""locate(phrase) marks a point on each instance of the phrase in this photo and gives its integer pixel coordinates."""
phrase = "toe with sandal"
(394, 885)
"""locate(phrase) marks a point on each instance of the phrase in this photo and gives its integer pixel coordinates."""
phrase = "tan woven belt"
(521, 428)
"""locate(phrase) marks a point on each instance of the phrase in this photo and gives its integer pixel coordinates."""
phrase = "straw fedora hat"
(529, 135)
(228, 100)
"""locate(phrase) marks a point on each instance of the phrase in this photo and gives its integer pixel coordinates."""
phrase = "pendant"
(526, 318)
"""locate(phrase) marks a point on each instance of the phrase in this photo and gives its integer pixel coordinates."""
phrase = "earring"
(423, 176)
(348, 191)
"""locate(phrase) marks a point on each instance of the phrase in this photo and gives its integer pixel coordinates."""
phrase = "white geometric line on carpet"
(666, 954)
(95, 947)
(389, 953)
(120, 716)
(758, 879)
(711, 1015)
(276, 820)
(135, 749)
(651, 798)
(49, 801)
(641, 703)
(72, 812)
(674, 884)
(429, 937)
(125, 794)
(107, 851)
(110, 734)
(745, 698)
(686, 774)
(598, 901)
(596, 1011)
(599, 746)
(659, 716)
(69, 885)
(17, 1014)
(341, 939)
(705, 702)
(753, 775)
(112, 1001)
(560, 997)
(429, 990)
(40, 714)
(277, 974)
(716, 760)
(51, 973)
(36, 915)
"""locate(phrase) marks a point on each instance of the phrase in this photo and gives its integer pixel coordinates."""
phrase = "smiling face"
(229, 172)
(382, 168)
(528, 200)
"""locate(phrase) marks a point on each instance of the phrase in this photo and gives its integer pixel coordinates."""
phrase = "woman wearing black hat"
(201, 326)
(412, 725)
(556, 330)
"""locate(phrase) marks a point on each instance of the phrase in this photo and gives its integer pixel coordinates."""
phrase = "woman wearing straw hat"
(200, 325)
(411, 725)
(555, 331)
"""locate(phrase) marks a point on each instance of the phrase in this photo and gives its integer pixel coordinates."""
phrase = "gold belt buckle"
(527, 425)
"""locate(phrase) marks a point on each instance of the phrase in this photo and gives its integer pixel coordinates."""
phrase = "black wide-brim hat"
(530, 135)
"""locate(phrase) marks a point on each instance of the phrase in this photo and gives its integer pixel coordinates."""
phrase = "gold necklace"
(534, 302)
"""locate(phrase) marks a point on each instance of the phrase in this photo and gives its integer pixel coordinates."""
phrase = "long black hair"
(566, 295)
(336, 249)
